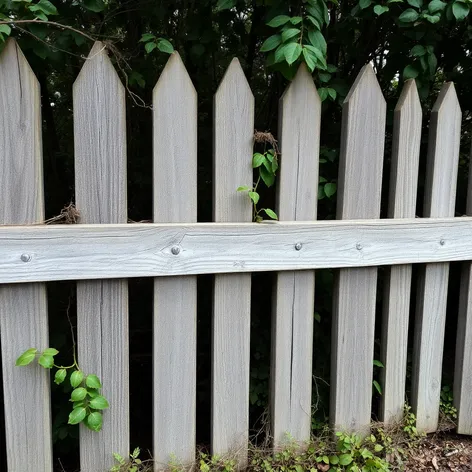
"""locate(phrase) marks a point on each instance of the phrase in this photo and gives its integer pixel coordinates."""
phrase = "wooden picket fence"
(103, 251)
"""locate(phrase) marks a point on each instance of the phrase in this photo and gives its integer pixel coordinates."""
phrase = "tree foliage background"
(430, 41)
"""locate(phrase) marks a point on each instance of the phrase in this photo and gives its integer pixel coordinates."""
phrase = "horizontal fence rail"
(78, 252)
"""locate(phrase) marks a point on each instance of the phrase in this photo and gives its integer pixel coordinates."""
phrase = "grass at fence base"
(387, 448)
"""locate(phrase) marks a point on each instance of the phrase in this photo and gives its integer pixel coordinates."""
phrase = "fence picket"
(292, 325)
(233, 145)
(440, 195)
(360, 180)
(402, 204)
(23, 308)
(463, 364)
(175, 298)
(102, 306)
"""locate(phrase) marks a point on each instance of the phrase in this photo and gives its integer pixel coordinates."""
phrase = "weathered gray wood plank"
(292, 324)
(402, 204)
(440, 196)
(463, 367)
(23, 309)
(233, 144)
(175, 299)
(145, 250)
(102, 306)
(360, 181)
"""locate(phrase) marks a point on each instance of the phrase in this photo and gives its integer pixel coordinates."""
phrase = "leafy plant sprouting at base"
(446, 403)
(268, 165)
(131, 464)
(87, 403)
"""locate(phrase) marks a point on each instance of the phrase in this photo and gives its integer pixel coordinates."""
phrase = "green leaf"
(317, 40)
(50, 351)
(5, 29)
(270, 213)
(267, 177)
(92, 393)
(165, 46)
(295, 20)
(324, 76)
(310, 59)
(27, 357)
(409, 16)
(410, 72)
(99, 403)
(432, 63)
(77, 415)
(271, 43)
(279, 54)
(150, 47)
(40, 15)
(242, 189)
(60, 376)
(415, 3)
(378, 447)
(76, 378)
(318, 317)
(47, 7)
(345, 459)
(225, 4)
(378, 363)
(94, 421)
(330, 189)
(331, 69)
(365, 4)
(436, 5)
(147, 37)
(316, 23)
(319, 56)
(323, 93)
(278, 21)
(334, 460)
(377, 387)
(380, 9)
(290, 33)
(332, 94)
(257, 160)
(432, 18)
(46, 361)
(254, 196)
(418, 50)
(78, 394)
(460, 10)
(92, 381)
(94, 5)
(292, 52)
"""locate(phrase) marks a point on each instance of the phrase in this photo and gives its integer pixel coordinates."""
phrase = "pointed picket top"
(234, 77)
(98, 62)
(408, 116)
(233, 145)
(299, 130)
(362, 147)
(175, 144)
(366, 84)
(20, 135)
(443, 154)
(174, 70)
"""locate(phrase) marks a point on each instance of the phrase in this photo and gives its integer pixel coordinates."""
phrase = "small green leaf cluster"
(267, 164)
(209, 463)
(87, 402)
(151, 42)
(131, 464)
(299, 39)
(446, 403)
(376, 384)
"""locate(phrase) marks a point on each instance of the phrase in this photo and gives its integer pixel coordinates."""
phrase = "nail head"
(298, 246)
(25, 257)
(358, 246)
(442, 242)
(175, 250)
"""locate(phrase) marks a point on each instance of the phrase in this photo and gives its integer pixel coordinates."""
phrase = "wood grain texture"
(402, 204)
(440, 196)
(175, 299)
(360, 181)
(292, 324)
(233, 144)
(23, 309)
(145, 250)
(463, 365)
(102, 305)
